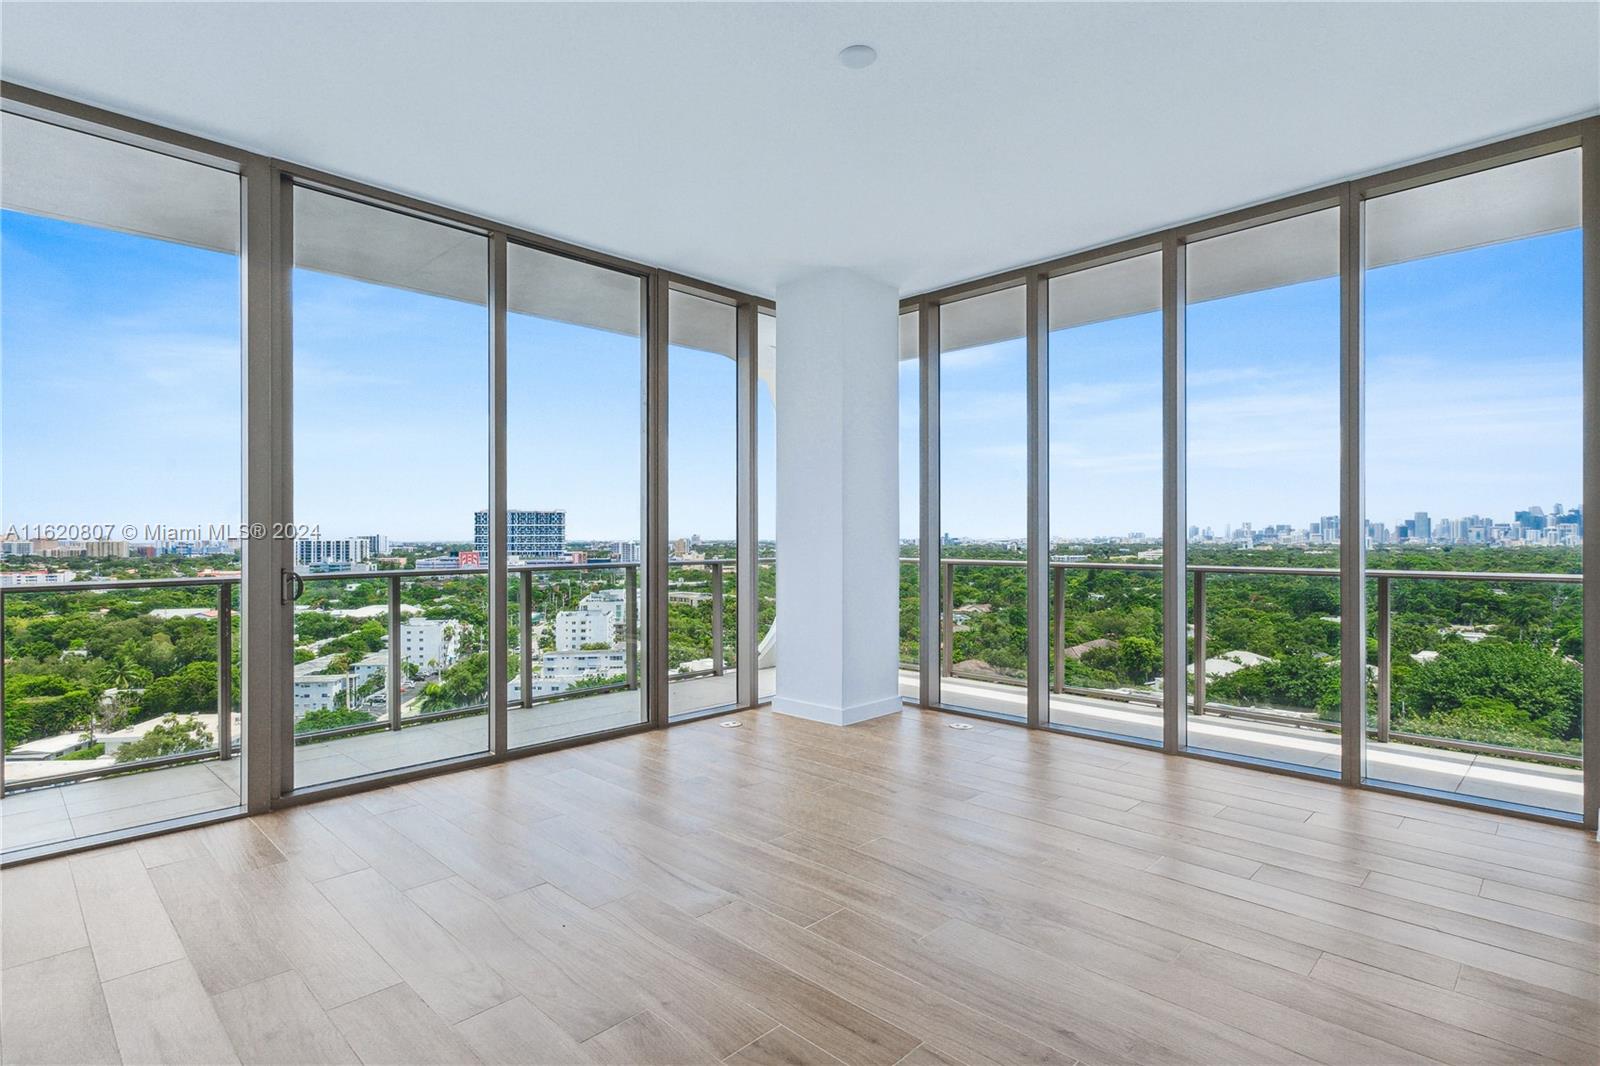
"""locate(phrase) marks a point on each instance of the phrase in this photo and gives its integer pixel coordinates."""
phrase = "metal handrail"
(111, 585)
(1198, 702)
(227, 746)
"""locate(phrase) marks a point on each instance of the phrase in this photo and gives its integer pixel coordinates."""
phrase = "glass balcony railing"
(700, 643)
(153, 683)
(1444, 686)
(157, 682)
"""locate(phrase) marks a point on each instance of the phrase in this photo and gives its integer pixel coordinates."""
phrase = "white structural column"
(838, 498)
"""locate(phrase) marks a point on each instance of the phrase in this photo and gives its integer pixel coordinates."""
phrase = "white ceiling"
(727, 142)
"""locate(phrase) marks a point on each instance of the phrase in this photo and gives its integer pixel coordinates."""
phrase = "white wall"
(837, 503)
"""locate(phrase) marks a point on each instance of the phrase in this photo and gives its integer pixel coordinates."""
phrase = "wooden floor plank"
(826, 1019)
(324, 949)
(219, 933)
(455, 983)
(53, 1011)
(278, 1020)
(783, 1047)
(516, 1033)
(567, 977)
(645, 1037)
(39, 913)
(396, 1028)
(128, 927)
(163, 1014)
(676, 990)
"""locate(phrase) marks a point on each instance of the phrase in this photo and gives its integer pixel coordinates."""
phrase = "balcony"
(1400, 749)
(81, 790)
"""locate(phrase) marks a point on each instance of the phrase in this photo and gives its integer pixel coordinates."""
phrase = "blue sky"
(121, 401)
(120, 378)
(1473, 386)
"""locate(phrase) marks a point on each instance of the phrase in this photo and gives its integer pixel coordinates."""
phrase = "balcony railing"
(1198, 702)
(226, 745)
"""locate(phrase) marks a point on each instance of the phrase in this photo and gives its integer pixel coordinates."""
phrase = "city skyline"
(1445, 529)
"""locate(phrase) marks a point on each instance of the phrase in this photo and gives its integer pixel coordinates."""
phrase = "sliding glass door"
(391, 438)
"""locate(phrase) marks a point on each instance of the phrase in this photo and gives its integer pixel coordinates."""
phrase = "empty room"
(895, 534)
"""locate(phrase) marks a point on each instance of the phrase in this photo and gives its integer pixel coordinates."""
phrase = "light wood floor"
(898, 892)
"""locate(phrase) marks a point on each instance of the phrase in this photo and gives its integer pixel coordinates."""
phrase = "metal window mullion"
(1174, 500)
(1590, 192)
(1352, 501)
(1038, 635)
(266, 618)
(653, 551)
(497, 635)
(929, 551)
(746, 576)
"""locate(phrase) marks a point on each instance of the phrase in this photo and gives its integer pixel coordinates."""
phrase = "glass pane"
(1474, 458)
(390, 434)
(1105, 498)
(1263, 489)
(910, 430)
(702, 503)
(766, 504)
(119, 457)
(574, 393)
(983, 388)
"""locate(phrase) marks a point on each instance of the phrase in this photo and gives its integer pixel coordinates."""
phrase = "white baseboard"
(830, 715)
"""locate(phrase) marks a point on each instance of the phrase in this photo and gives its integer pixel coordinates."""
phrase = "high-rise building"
(532, 535)
(332, 553)
(1422, 527)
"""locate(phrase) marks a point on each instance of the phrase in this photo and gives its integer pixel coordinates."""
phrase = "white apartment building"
(574, 629)
(612, 600)
(579, 664)
(316, 691)
(333, 553)
(22, 578)
(429, 643)
(369, 666)
(559, 671)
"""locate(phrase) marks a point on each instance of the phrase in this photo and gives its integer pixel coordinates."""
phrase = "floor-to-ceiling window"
(702, 503)
(120, 461)
(1474, 430)
(1262, 393)
(910, 448)
(391, 439)
(574, 381)
(983, 501)
(1105, 498)
(141, 349)
(767, 504)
